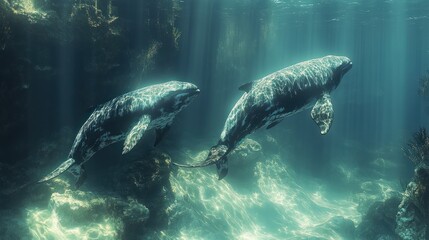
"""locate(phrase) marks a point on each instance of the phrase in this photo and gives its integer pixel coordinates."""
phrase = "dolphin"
(267, 101)
(126, 117)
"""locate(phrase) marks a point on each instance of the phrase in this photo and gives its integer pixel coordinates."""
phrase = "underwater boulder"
(81, 215)
(147, 179)
(28, 10)
(379, 220)
(413, 215)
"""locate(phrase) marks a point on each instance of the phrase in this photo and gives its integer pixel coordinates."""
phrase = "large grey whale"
(270, 99)
(126, 117)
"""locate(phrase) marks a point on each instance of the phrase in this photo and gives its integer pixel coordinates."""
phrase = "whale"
(125, 118)
(267, 101)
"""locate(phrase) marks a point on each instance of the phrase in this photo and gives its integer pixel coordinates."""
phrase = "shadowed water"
(60, 59)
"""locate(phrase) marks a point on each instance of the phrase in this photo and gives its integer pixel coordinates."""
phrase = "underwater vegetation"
(417, 149)
(413, 215)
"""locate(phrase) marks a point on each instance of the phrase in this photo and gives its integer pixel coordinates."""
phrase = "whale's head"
(339, 65)
(180, 94)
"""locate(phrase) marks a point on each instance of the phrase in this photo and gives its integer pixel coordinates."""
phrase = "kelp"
(417, 149)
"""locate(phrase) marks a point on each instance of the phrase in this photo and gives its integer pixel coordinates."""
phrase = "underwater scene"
(214, 119)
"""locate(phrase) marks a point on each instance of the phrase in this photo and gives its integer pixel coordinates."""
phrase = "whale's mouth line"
(196, 92)
(347, 67)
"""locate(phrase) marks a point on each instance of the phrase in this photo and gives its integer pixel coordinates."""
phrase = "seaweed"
(413, 213)
(417, 149)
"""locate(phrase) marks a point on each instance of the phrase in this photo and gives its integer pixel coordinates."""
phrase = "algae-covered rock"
(147, 179)
(413, 214)
(85, 215)
(379, 220)
(28, 10)
(145, 175)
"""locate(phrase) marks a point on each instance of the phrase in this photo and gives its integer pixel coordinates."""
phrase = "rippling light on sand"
(45, 224)
(277, 205)
(280, 206)
(58, 222)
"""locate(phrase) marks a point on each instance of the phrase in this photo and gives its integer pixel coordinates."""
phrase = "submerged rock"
(85, 215)
(147, 179)
(85, 44)
(413, 215)
(379, 221)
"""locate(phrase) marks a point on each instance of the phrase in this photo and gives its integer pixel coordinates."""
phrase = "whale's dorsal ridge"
(247, 86)
(323, 113)
(270, 99)
(136, 133)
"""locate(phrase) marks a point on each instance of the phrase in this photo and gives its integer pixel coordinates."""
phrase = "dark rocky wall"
(58, 58)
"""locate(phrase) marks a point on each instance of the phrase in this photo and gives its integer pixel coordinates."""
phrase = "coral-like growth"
(413, 214)
(424, 85)
(417, 149)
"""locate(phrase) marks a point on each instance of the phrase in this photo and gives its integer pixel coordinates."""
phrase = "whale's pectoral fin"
(323, 113)
(160, 132)
(222, 168)
(79, 173)
(136, 133)
(246, 87)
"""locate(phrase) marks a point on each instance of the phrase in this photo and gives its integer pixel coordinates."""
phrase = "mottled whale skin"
(126, 117)
(270, 99)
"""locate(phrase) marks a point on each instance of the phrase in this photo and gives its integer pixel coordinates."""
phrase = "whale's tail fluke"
(60, 169)
(77, 170)
(217, 155)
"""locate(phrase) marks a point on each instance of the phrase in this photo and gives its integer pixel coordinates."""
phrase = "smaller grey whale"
(126, 117)
(269, 100)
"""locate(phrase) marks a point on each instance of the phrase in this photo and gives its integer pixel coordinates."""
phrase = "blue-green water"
(60, 59)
